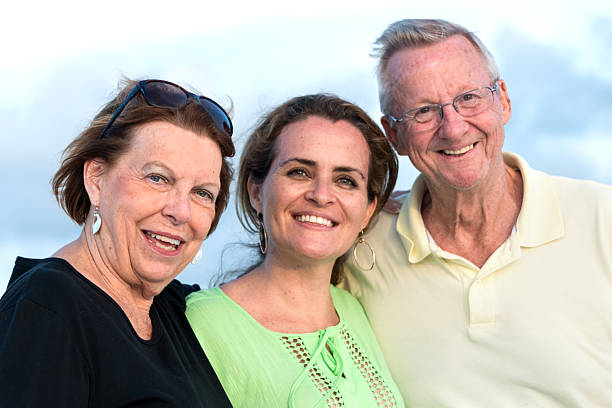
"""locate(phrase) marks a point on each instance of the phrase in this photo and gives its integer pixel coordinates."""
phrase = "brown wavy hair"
(68, 184)
(260, 150)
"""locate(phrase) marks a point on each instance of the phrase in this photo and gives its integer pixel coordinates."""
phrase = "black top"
(66, 343)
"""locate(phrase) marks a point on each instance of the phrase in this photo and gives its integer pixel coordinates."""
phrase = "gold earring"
(263, 235)
(372, 254)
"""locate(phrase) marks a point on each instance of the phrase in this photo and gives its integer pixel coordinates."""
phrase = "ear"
(254, 194)
(369, 213)
(92, 178)
(392, 136)
(504, 99)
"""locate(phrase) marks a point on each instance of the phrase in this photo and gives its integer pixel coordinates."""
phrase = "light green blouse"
(339, 366)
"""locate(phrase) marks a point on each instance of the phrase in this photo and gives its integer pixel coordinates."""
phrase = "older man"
(492, 287)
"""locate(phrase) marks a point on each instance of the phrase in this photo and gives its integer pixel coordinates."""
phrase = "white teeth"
(174, 243)
(165, 239)
(166, 247)
(460, 151)
(313, 219)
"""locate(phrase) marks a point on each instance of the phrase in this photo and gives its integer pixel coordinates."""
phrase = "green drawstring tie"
(332, 360)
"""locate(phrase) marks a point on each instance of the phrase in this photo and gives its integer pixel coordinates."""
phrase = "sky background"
(61, 62)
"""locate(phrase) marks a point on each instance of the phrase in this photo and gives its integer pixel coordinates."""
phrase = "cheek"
(127, 194)
(202, 222)
(417, 144)
(359, 210)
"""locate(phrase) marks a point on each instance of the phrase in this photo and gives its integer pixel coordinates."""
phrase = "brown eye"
(299, 172)
(347, 181)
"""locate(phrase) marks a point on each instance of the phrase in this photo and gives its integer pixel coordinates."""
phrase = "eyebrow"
(157, 164)
(308, 162)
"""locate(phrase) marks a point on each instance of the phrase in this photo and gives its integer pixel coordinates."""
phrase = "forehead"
(183, 151)
(454, 64)
(323, 141)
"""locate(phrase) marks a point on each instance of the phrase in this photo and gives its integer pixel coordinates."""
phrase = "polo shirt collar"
(410, 224)
(540, 220)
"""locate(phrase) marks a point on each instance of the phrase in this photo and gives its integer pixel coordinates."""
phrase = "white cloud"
(61, 61)
(586, 155)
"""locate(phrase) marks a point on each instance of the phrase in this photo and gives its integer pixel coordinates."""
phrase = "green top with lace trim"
(339, 366)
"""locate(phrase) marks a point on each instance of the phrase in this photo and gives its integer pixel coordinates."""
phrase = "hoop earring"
(263, 235)
(97, 221)
(362, 241)
(197, 258)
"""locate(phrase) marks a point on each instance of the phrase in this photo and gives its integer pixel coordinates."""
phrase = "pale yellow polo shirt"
(531, 328)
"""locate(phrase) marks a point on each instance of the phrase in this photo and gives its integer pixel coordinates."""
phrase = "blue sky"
(62, 60)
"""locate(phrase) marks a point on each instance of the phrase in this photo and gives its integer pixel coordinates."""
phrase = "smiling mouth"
(313, 219)
(163, 242)
(458, 152)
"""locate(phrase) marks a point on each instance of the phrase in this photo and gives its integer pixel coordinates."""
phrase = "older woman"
(312, 176)
(101, 322)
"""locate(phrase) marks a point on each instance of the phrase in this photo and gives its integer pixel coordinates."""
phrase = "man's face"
(461, 152)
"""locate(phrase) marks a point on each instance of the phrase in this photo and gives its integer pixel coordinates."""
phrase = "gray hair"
(413, 33)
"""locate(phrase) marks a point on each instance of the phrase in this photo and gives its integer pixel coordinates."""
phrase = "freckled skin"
(437, 74)
(157, 185)
(320, 188)
(472, 199)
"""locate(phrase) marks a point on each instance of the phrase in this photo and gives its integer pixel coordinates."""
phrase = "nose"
(452, 123)
(177, 208)
(320, 192)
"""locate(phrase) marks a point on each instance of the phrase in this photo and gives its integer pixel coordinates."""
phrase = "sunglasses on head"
(165, 94)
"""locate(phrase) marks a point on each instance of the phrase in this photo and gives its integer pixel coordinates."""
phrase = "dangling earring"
(96, 223)
(362, 241)
(197, 258)
(263, 235)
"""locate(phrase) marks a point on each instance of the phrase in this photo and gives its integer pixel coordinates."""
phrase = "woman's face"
(157, 203)
(314, 198)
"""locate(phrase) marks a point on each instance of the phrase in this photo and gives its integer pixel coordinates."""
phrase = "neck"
(475, 222)
(135, 302)
(289, 298)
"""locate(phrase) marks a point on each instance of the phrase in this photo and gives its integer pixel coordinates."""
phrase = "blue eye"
(156, 178)
(206, 195)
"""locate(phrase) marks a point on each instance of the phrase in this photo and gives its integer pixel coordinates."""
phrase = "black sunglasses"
(165, 94)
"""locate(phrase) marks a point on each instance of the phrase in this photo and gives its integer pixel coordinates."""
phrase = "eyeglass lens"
(467, 104)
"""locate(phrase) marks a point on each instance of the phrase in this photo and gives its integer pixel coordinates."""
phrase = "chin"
(465, 182)
(159, 274)
(323, 254)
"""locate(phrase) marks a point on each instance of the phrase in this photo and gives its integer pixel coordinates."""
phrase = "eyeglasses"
(165, 94)
(467, 104)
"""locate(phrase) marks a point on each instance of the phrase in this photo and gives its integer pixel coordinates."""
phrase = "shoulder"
(385, 221)
(343, 298)
(347, 306)
(585, 188)
(582, 196)
(208, 308)
(174, 295)
(49, 283)
(205, 297)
